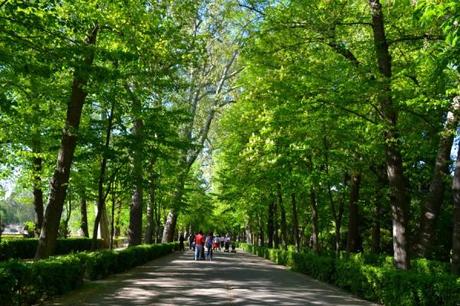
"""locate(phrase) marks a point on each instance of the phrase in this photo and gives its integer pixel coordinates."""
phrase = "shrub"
(27, 283)
(373, 277)
(25, 248)
(103, 263)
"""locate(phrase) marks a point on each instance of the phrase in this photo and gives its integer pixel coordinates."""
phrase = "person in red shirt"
(199, 242)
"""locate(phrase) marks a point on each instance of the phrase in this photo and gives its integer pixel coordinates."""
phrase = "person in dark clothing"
(191, 240)
(181, 242)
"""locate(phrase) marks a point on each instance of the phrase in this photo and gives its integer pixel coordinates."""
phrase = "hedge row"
(25, 248)
(374, 277)
(27, 283)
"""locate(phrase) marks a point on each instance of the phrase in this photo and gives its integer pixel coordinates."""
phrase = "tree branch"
(414, 38)
(251, 8)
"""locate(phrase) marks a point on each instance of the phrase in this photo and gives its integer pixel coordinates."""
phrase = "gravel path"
(230, 279)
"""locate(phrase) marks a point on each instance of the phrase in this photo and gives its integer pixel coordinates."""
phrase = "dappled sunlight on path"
(230, 279)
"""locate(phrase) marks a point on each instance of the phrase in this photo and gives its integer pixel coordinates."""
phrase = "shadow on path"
(230, 279)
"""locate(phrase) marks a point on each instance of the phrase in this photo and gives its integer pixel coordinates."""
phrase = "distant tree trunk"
(151, 211)
(112, 220)
(58, 184)
(118, 219)
(295, 222)
(84, 215)
(270, 225)
(37, 162)
(314, 218)
(37, 167)
(157, 216)
(101, 216)
(67, 216)
(136, 209)
(171, 220)
(170, 226)
(379, 199)
(276, 237)
(261, 237)
(354, 239)
(435, 197)
(337, 213)
(455, 263)
(399, 194)
(284, 236)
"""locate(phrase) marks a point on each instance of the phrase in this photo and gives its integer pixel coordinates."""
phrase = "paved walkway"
(230, 279)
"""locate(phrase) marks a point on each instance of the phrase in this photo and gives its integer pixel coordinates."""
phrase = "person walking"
(191, 241)
(209, 240)
(199, 242)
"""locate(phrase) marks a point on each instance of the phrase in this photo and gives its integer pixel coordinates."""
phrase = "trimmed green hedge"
(103, 263)
(374, 277)
(25, 248)
(27, 283)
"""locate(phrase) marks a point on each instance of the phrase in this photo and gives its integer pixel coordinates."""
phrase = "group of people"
(204, 245)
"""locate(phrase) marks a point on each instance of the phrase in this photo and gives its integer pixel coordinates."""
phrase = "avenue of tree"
(323, 124)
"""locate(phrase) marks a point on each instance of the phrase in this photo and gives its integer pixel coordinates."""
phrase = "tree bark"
(379, 199)
(455, 263)
(376, 228)
(37, 164)
(270, 225)
(435, 197)
(399, 195)
(314, 218)
(118, 219)
(112, 220)
(84, 215)
(283, 224)
(171, 220)
(58, 184)
(354, 239)
(135, 214)
(101, 222)
(150, 211)
(295, 222)
(276, 237)
(170, 226)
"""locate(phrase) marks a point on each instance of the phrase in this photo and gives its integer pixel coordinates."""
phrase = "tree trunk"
(455, 263)
(157, 217)
(112, 220)
(399, 195)
(136, 209)
(433, 202)
(101, 222)
(276, 236)
(295, 222)
(171, 220)
(314, 219)
(261, 236)
(170, 226)
(67, 217)
(270, 225)
(37, 182)
(354, 239)
(283, 225)
(150, 212)
(118, 219)
(104, 226)
(379, 199)
(58, 184)
(337, 212)
(84, 215)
